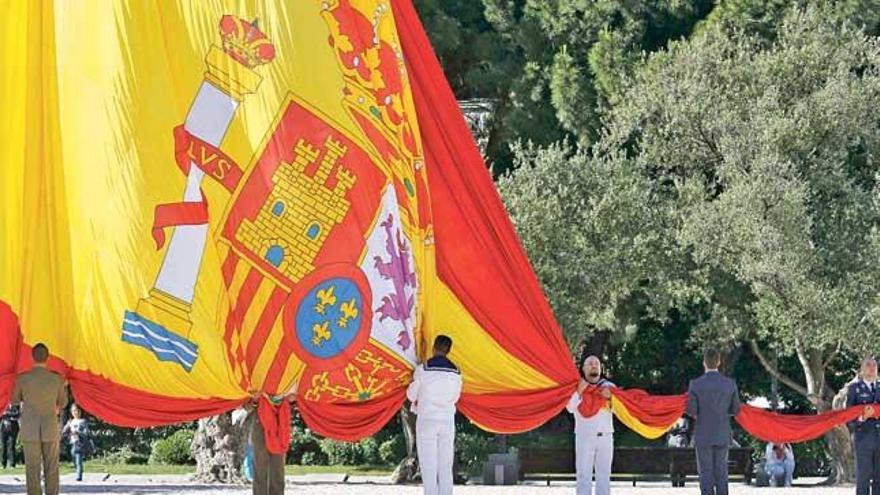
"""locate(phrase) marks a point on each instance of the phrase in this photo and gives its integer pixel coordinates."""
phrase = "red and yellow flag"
(651, 416)
(206, 200)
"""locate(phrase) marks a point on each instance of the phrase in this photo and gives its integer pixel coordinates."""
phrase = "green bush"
(340, 452)
(108, 439)
(302, 442)
(369, 452)
(392, 450)
(313, 459)
(174, 449)
(351, 454)
(123, 455)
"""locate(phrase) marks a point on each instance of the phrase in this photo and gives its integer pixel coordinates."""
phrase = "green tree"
(550, 67)
(595, 234)
(767, 152)
(474, 56)
(763, 17)
(736, 182)
(553, 68)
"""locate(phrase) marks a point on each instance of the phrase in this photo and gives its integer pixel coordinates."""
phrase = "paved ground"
(96, 483)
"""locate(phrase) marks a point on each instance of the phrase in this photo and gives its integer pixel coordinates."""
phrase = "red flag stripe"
(276, 371)
(228, 269)
(474, 236)
(244, 382)
(264, 326)
(242, 303)
(236, 315)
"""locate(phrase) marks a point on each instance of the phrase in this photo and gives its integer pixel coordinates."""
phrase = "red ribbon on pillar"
(189, 149)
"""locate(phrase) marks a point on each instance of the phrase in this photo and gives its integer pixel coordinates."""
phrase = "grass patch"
(359, 470)
(96, 467)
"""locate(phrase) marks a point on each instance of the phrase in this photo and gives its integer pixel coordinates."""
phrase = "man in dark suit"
(866, 428)
(712, 400)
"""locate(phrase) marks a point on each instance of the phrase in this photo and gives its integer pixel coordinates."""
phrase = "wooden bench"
(677, 465)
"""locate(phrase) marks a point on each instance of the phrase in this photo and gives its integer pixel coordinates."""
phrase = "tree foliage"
(768, 156)
(735, 181)
(595, 234)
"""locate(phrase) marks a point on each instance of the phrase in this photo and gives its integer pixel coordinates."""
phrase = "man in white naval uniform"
(593, 436)
(434, 392)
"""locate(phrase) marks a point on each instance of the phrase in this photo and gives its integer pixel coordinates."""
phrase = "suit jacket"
(42, 393)
(712, 399)
(865, 433)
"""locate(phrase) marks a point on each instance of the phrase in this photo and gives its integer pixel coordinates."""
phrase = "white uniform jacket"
(435, 389)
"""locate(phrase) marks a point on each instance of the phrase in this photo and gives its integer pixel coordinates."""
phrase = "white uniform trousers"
(435, 441)
(594, 452)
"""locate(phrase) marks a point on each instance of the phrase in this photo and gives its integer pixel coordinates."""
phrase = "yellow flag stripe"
(486, 367)
(292, 373)
(255, 310)
(267, 355)
(631, 422)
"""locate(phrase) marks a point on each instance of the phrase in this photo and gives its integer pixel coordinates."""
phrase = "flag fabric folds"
(203, 202)
(651, 416)
(486, 293)
(791, 428)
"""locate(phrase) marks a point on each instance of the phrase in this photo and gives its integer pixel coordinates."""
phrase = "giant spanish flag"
(202, 201)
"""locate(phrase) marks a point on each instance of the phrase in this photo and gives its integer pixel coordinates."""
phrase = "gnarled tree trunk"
(407, 470)
(840, 445)
(840, 448)
(219, 447)
(814, 363)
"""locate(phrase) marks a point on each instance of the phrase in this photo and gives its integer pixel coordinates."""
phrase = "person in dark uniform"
(712, 400)
(9, 433)
(866, 428)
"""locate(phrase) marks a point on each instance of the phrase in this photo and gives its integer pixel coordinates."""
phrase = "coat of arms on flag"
(314, 221)
(319, 208)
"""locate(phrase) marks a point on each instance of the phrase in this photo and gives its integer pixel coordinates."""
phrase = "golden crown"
(243, 41)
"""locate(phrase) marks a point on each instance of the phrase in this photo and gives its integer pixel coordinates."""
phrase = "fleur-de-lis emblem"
(325, 298)
(349, 312)
(320, 333)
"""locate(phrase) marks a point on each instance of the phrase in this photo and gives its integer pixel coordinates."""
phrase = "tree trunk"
(840, 446)
(408, 469)
(814, 362)
(219, 447)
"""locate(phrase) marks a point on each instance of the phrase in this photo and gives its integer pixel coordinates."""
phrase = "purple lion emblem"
(397, 305)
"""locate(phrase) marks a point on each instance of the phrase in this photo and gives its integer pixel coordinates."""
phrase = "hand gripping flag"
(202, 201)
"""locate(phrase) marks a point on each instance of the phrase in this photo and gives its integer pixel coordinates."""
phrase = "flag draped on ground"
(202, 201)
